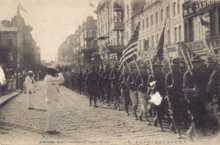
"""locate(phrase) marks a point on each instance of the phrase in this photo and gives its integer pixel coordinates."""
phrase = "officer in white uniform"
(29, 86)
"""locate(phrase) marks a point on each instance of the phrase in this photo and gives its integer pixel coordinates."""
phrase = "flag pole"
(129, 68)
(138, 69)
(151, 67)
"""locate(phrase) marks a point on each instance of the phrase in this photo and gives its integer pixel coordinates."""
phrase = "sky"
(52, 20)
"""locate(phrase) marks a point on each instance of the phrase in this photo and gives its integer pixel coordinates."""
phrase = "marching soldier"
(156, 83)
(101, 83)
(213, 90)
(125, 91)
(142, 95)
(107, 84)
(115, 88)
(176, 101)
(133, 93)
(194, 87)
(92, 83)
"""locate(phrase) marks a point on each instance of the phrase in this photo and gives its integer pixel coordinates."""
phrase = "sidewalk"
(4, 99)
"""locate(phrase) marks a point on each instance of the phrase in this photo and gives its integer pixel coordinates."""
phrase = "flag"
(187, 55)
(20, 7)
(130, 53)
(91, 5)
(204, 22)
(160, 50)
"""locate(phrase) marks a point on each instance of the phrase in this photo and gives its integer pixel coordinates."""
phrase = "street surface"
(80, 124)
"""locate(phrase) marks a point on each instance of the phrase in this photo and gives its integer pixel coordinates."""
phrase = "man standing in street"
(29, 86)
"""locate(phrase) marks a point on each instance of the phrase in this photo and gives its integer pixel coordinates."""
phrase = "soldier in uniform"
(213, 90)
(101, 83)
(133, 93)
(125, 95)
(92, 83)
(142, 95)
(107, 84)
(115, 87)
(175, 96)
(194, 87)
(159, 78)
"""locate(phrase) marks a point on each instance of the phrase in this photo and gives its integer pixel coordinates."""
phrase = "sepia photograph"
(109, 72)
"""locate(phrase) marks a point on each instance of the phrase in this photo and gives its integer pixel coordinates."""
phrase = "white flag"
(156, 99)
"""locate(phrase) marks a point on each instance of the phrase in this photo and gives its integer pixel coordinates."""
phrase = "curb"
(4, 99)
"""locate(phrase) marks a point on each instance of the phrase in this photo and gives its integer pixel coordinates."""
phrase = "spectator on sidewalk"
(2, 80)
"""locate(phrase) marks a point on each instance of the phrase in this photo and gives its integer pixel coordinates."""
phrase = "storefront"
(202, 25)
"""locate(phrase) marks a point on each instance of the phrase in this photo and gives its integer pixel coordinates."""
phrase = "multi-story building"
(18, 44)
(202, 22)
(78, 49)
(8, 44)
(110, 27)
(152, 16)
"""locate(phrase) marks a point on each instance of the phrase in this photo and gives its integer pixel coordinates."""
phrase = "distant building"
(110, 27)
(8, 44)
(77, 50)
(19, 47)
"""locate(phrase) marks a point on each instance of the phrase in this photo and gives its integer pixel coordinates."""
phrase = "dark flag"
(130, 52)
(204, 22)
(160, 51)
(187, 55)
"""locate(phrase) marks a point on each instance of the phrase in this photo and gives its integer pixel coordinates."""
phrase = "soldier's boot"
(191, 132)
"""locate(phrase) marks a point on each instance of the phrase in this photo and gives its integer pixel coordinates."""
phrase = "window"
(147, 22)
(161, 15)
(157, 38)
(143, 25)
(168, 37)
(175, 34)
(168, 11)
(152, 20)
(174, 8)
(180, 38)
(152, 41)
(178, 7)
(146, 44)
(140, 46)
(156, 15)
(128, 11)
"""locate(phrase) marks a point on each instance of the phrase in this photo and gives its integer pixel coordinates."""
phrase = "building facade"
(202, 26)
(19, 47)
(110, 29)
(78, 48)
(152, 16)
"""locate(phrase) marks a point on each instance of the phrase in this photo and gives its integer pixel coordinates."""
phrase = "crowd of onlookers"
(14, 79)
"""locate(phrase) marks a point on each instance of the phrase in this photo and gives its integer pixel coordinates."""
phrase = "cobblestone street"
(80, 123)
